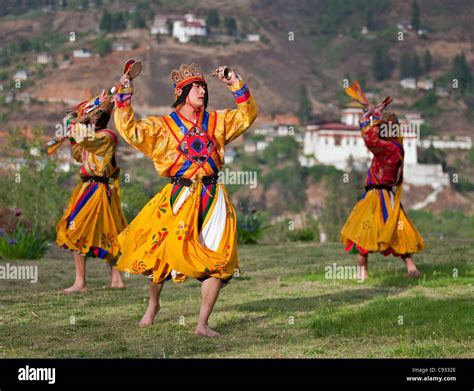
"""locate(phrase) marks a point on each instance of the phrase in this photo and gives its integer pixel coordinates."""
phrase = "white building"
(336, 143)
(81, 53)
(446, 142)
(122, 46)
(189, 27)
(160, 25)
(43, 58)
(21, 75)
(408, 83)
(253, 37)
(425, 84)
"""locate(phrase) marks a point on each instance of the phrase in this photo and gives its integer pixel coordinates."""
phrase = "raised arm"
(370, 124)
(142, 134)
(235, 122)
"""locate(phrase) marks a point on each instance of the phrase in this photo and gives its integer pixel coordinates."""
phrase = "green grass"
(281, 306)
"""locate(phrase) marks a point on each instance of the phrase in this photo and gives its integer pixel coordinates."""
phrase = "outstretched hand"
(220, 74)
(125, 81)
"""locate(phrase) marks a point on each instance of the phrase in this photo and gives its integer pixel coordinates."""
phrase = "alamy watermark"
(344, 272)
(229, 177)
(16, 272)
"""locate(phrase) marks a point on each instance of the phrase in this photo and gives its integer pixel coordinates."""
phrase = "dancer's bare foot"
(117, 284)
(206, 331)
(415, 273)
(74, 289)
(150, 315)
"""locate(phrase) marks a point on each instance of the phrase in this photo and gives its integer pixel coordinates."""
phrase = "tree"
(138, 21)
(369, 19)
(230, 26)
(381, 63)
(103, 45)
(305, 109)
(427, 62)
(415, 66)
(462, 72)
(212, 19)
(405, 65)
(105, 22)
(415, 15)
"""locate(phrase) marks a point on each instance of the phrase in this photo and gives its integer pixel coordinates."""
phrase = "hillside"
(327, 47)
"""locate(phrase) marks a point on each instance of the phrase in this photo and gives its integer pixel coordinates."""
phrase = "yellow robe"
(93, 218)
(184, 231)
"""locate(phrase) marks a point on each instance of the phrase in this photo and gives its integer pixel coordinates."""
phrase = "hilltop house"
(189, 26)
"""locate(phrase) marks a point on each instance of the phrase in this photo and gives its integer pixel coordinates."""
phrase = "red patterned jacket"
(387, 163)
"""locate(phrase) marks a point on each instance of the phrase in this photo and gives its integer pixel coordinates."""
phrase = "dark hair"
(99, 123)
(182, 98)
(102, 121)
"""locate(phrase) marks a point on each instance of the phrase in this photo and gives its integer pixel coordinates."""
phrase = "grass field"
(281, 306)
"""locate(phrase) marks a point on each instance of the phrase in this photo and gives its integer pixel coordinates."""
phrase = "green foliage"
(290, 183)
(249, 224)
(212, 19)
(230, 26)
(282, 149)
(103, 45)
(305, 109)
(319, 172)
(462, 72)
(463, 185)
(111, 22)
(134, 198)
(431, 155)
(415, 15)
(138, 20)
(340, 198)
(450, 223)
(428, 104)
(22, 244)
(427, 62)
(410, 65)
(38, 192)
(382, 64)
(301, 235)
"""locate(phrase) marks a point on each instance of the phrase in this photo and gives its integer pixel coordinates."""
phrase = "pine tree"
(462, 72)
(305, 108)
(415, 66)
(212, 19)
(415, 15)
(405, 66)
(427, 62)
(381, 64)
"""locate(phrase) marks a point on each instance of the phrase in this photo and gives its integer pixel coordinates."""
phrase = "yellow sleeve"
(235, 122)
(76, 150)
(142, 134)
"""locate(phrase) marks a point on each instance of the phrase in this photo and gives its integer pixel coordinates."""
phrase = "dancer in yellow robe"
(93, 218)
(189, 228)
(378, 223)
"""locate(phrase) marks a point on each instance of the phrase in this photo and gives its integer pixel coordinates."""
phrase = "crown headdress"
(186, 74)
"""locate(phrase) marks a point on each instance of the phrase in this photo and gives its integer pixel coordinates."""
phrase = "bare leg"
(80, 281)
(412, 270)
(153, 305)
(209, 292)
(362, 261)
(116, 279)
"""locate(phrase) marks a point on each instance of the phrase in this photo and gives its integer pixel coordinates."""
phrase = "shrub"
(22, 244)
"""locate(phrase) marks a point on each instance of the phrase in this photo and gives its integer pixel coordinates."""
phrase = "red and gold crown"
(186, 74)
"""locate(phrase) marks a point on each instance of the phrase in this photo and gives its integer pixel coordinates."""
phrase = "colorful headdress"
(186, 74)
(355, 92)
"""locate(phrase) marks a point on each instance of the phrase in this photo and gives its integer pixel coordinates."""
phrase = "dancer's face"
(196, 96)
